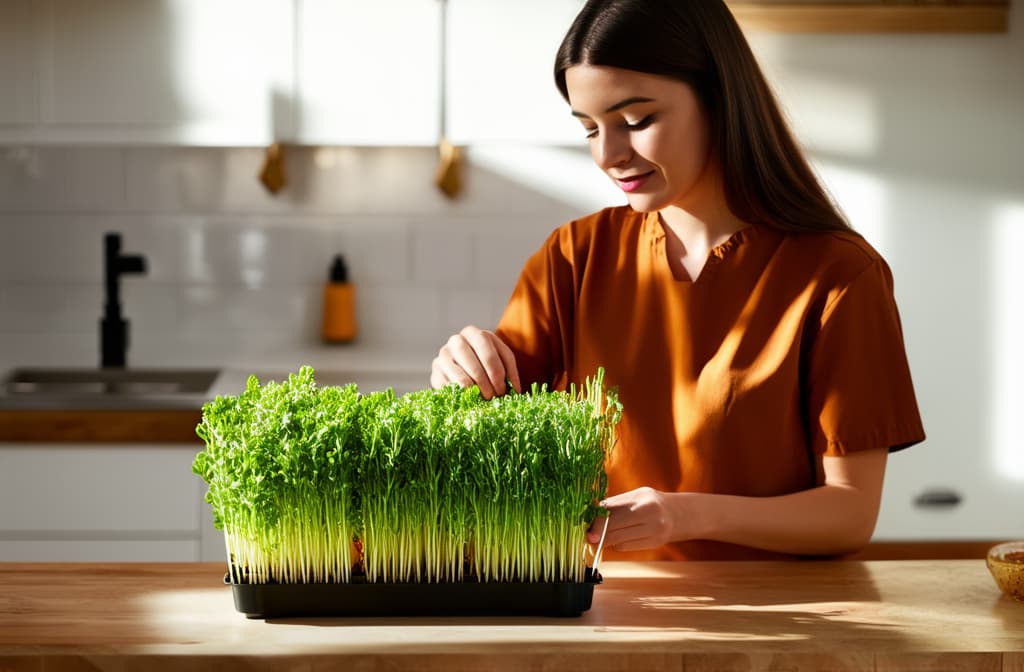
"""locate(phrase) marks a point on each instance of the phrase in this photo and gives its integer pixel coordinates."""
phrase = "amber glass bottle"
(339, 311)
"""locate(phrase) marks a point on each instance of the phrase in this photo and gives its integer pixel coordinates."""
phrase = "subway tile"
(173, 179)
(399, 317)
(213, 308)
(151, 306)
(252, 252)
(401, 180)
(470, 306)
(244, 192)
(192, 179)
(377, 249)
(32, 179)
(7, 252)
(501, 254)
(94, 179)
(51, 348)
(50, 248)
(58, 248)
(201, 348)
(331, 180)
(442, 256)
(46, 308)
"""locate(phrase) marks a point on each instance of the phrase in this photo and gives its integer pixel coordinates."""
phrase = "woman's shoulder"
(842, 253)
(611, 221)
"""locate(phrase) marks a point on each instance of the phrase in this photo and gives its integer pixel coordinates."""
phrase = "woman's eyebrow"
(618, 106)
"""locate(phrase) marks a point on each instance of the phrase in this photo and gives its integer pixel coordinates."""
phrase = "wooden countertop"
(99, 426)
(878, 615)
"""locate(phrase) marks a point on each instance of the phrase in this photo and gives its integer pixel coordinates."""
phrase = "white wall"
(920, 137)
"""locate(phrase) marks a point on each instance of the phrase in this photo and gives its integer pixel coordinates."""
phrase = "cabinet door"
(368, 72)
(501, 59)
(929, 495)
(79, 503)
(179, 71)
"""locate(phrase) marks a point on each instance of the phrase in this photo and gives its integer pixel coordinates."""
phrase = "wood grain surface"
(878, 615)
(68, 426)
(842, 16)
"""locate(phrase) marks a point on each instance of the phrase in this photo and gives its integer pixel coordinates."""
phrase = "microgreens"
(309, 483)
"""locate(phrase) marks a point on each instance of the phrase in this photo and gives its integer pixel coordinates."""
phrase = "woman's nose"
(610, 150)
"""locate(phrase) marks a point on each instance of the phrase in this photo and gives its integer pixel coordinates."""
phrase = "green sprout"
(317, 484)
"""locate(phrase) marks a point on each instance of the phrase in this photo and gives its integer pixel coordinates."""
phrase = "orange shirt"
(787, 347)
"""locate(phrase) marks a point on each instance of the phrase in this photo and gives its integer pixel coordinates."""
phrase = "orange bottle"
(339, 310)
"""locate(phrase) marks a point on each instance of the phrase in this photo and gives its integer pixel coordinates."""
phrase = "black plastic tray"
(278, 600)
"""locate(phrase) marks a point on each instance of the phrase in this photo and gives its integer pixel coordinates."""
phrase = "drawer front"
(97, 550)
(54, 488)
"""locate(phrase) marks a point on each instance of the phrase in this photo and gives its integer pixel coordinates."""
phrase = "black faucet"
(114, 328)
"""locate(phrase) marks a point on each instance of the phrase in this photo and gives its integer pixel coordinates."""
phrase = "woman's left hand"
(639, 519)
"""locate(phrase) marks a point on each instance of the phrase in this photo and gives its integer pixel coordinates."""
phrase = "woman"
(752, 335)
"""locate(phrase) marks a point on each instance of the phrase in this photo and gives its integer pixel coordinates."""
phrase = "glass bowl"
(1006, 563)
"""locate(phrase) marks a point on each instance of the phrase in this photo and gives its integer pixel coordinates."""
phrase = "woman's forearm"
(827, 520)
(837, 517)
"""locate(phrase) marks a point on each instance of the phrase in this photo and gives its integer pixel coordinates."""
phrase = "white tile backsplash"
(94, 178)
(233, 271)
(500, 252)
(31, 179)
(485, 305)
(443, 256)
(55, 248)
(378, 250)
(49, 308)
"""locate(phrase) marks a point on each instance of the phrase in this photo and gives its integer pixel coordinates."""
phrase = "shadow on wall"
(919, 139)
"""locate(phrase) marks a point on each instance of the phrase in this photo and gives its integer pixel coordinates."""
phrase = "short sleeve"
(537, 320)
(860, 394)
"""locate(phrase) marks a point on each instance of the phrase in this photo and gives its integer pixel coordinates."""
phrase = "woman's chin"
(644, 202)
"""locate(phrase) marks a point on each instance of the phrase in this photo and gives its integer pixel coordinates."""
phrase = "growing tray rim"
(362, 598)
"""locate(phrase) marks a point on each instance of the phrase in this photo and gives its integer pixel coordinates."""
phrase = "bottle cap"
(339, 271)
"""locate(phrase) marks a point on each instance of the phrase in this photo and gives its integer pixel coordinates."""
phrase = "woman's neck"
(690, 234)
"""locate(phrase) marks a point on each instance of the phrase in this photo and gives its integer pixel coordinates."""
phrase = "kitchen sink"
(106, 388)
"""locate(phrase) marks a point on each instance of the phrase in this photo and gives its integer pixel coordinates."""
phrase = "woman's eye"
(643, 123)
(629, 126)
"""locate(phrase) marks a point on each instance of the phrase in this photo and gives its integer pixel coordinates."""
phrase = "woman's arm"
(834, 518)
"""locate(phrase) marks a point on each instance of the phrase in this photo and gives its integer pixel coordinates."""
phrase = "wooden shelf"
(872, 17)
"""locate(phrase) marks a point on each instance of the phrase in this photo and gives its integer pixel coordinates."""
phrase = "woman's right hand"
(478, 357)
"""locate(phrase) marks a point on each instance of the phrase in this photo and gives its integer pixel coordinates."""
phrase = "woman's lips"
(633, 182)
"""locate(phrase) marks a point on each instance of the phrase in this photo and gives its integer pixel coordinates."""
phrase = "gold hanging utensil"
(449, 168)
(272, 174)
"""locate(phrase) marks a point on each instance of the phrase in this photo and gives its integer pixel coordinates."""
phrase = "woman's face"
(648, 133)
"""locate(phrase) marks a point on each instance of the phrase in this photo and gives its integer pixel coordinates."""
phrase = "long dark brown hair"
(766, 176)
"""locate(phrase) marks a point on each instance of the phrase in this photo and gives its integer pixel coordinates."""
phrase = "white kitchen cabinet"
(991, 504)
(124, 71)
(220, 73)
(367, 73)
(61, 502)
(501, 84)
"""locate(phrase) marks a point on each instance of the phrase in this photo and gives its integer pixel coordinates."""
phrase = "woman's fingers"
(475, 357)
(638, 519)
(508, 361)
